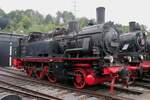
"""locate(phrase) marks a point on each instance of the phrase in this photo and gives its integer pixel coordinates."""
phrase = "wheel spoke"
(79, 79)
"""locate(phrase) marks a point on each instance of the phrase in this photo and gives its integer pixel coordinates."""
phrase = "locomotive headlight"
(141, 57)
(109, 59)
(145, 33)
(128, 58)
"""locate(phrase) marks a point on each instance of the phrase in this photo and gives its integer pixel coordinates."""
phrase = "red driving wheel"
(30, 71)
(79, 79)
(42, 73)
(51, 77)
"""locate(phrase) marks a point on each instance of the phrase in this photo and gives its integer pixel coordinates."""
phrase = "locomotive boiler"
(101, 40)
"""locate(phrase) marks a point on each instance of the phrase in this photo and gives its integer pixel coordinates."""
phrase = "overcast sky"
(119, 11)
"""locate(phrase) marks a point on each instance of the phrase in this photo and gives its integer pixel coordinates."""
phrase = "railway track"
(24, 91)
(118, 88)
(90, 93)
(146, 80)
(142, 84)
(127, 90)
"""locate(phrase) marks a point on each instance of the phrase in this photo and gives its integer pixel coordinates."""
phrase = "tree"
(2, 13)
(30, 20)
(143, 27)
(3, 22)
(122, 28)
(16, 15)
(25, 22)
(83, 22)
(67, 16)
(49, 19)
(35, 16)
(58, 17)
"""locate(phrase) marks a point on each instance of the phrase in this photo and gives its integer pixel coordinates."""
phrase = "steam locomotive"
(86, 56)
(134, 50)
(92, 55)
(133, 43)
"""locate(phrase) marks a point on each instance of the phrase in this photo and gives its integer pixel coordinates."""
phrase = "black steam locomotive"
(84, 56)
(87, 56)
(133, 44)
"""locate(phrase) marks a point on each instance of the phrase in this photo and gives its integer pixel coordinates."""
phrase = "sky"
(119, 11)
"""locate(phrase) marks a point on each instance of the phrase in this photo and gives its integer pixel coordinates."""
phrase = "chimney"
(100, 12)
(133, 26)
(73, 27)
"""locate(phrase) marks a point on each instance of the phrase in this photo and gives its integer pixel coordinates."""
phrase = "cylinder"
(100, 12)
(90, 80)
